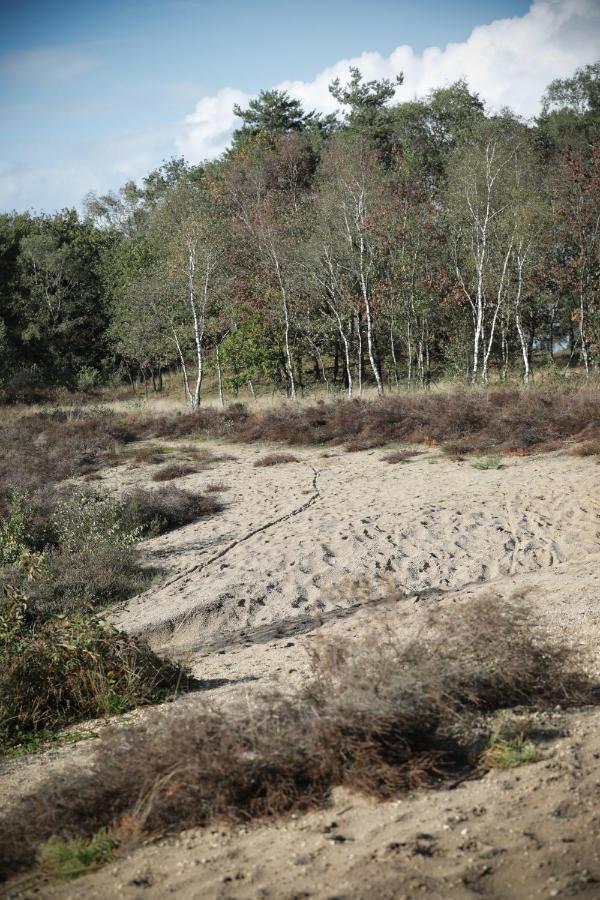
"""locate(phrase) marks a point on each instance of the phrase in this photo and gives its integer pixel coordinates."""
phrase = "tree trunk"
(220, 376)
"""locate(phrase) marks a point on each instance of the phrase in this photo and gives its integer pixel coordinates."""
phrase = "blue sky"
(93, 93)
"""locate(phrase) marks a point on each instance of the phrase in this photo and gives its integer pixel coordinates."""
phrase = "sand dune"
(297, 542)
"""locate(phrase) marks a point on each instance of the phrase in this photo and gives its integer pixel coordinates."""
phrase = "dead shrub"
(216, 487)
(275, 459)
(378, 722)
(588, 448)
(175, 470)
(168, 507)
(400, 456)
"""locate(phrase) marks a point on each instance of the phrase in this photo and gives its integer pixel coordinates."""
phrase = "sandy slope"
(286, 563)
(287, 552)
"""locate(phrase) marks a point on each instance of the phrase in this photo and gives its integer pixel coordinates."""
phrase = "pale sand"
(296, 543)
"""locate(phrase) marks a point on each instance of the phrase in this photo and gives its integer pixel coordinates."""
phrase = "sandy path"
(296, 540)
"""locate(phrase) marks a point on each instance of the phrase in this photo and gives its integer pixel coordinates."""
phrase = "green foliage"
(483, 463)
(81, 519)
(313, 234)
(67, 859)
(508, 745)
(70, 668)
(250, 352)
(15, 532)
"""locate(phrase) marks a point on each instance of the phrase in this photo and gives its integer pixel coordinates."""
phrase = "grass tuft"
(484, 463)
(64, 860)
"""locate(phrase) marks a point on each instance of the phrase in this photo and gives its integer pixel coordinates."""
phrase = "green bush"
(67, 669)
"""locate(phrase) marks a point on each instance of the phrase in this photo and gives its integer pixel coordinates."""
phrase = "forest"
(389, 244)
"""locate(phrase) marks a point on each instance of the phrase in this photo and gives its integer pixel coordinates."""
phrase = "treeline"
(390, 243)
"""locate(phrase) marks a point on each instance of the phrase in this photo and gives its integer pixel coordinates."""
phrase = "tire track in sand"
(199, 567)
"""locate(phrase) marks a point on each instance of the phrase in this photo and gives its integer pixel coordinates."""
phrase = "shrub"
(87, 378)
(400, 456)
(488, 462)
(175, 470)
(96, 576)
(71, 668)
(588, 448)
(82, 545)
(168, 507)
(81, 519)
(216, 487)
(379, 716)
(275, 459)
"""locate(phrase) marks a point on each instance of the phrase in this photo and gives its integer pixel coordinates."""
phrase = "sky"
(95, 93)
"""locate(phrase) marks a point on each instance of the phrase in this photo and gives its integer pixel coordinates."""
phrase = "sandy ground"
(294, 557)
(297, 543)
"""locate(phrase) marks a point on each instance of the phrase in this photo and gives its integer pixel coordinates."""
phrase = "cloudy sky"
(94, 93)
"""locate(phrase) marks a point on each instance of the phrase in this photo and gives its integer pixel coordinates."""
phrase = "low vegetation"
(488, 462)
(400, 456)
(275, 459)
(176, 470)
(70, 668)
(378, 722)
(66, 552)
(509, 745)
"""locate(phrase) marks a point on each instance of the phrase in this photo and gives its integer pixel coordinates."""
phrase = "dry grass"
(588, 448)
(168, 507)
(379, 722)
(400, 456)
(216, 487)
(175, 470)
(275, 459)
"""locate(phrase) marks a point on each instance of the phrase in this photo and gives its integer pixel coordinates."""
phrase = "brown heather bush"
(62, 444)
(168, 507)
(379, 722)
(44, 448)
(400, 456)
(275, 459)
(505, 419)
(175, 470)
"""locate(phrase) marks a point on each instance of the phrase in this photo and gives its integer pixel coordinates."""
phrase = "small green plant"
(87, 378)
(65, 860)
(509, 746)
(15, 532)
(33, 743)
(488, 462)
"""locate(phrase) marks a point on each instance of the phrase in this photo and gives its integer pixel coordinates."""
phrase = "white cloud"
(508, 62)
(210, 125)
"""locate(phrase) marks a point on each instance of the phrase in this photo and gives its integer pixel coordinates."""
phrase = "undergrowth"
(71, 668)
(380, 716)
